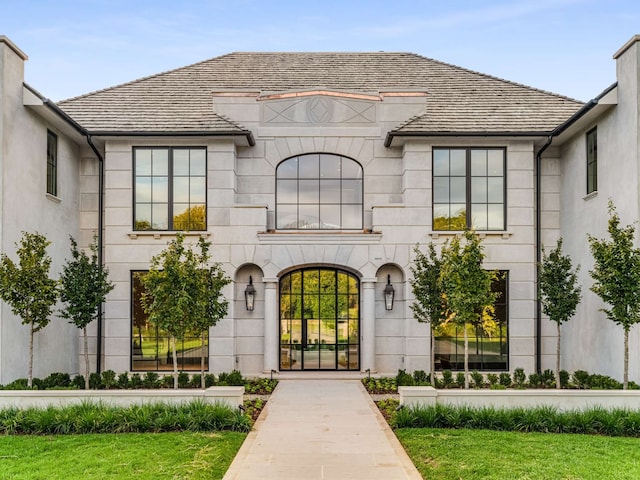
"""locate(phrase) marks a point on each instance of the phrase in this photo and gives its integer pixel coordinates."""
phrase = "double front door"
(319, 320)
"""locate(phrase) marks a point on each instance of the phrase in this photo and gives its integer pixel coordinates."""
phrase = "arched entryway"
(319, 320)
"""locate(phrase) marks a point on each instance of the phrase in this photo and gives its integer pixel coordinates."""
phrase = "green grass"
(155, 456)
(481, 454)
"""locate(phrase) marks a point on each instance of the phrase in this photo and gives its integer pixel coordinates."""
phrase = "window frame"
(52, 163)
(591, 140)
(468, 187)
(502, 302)
(319, 204)
(170, 187)
(134, 367)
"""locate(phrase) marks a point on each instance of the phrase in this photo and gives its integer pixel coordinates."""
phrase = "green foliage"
(57, 380)
(466, 286)
(167, 381)
(209, 380)
(109, 379)
(260, 386)
(519, 377)
(404, 379)
(505, 379)
(478, 379)
(535, 380)
(136, 381)
(151, 380)
(196, 381)
(183, 380)
(84, 286)
(447, 378)
(558, 285)
(461, 379)
(78, 382)
(123, 380)
(234, 378)
(183, 292)
(420, 377)
(615, 422)
(95, 381)
(616, 278)
(492, 378)
(380, 385)
(564, 379)
(99, 418)
(27, 288)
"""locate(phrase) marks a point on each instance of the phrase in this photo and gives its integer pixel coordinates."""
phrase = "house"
(315, 175)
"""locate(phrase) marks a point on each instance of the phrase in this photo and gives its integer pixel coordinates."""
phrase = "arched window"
(319, 191)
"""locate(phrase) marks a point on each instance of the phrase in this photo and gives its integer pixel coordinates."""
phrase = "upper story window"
(469, 188)
(170, 188)
(592, 160)
(52, 163)
(319, 192)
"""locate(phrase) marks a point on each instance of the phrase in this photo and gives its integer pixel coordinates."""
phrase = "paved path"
(321, 430)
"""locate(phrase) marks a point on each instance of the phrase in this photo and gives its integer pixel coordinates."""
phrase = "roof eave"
(395, 134)
(246, 134)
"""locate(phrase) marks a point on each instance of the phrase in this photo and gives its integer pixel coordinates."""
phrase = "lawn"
(441, 454)
(156, 456)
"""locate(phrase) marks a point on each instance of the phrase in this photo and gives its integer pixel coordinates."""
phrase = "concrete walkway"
(321, 430)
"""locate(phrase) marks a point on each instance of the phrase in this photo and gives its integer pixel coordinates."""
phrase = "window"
(170, 188)
(319, 192)
(592, 161)
(150, 346)
(52, 163)
(469, 188)
(488, 344)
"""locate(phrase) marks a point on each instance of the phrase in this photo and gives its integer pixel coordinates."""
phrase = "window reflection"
(319, 192)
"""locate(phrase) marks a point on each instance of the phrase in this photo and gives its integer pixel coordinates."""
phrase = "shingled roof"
(458, 100)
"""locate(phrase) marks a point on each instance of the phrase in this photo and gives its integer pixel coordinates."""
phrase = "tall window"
(150, 346)
(52, 163)
(319, 192)
(170, 188)
(488, 343)
(592, 160)
(469, 188)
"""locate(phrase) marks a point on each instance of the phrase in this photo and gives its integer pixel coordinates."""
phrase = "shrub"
(420, 377)
(548, 379)
(460, 379)
(447, 378)
(603, 382)
(581, 379)
(18, 384)
(196, 380)
(477, 378)
(404, 379)
(108, 379)
(535, 380)
(136, 381)
(183, 380)
(95, 381)
(57, 380)
(167, 381)
(209, 380)
(492, 378)
(78, 382)
(233, 379)
(519, 377)
(123, 380)
(564, 379)
(151, 380)
(505, 379)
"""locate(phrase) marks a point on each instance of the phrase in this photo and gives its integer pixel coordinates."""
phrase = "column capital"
(368, 281)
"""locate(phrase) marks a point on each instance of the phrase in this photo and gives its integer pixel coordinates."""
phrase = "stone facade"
(397, 214)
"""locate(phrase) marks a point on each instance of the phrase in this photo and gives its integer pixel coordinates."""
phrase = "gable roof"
(458, 100)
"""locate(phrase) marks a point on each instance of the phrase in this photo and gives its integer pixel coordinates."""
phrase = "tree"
(467, 287)
(182, 295)
(429, 305)
(616, 275)
(559, 291)
(27, 288)
(84, 285)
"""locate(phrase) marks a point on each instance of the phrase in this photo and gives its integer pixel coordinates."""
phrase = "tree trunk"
(433, 358)
(558, 359)
(30, 372)
(466, 357)
(174, 354)
(625, 381)
(202, 382)
(86, 359)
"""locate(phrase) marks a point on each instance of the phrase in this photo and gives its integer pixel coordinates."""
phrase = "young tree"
(182, 293)
(84, 285)
(616, 275)
(466, 286)
(429, 305)
(559, 291)
(27, 288)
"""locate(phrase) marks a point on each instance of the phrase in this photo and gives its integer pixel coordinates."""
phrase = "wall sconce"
(249, 295)
(389, 293)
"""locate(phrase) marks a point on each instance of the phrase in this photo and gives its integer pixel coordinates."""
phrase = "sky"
(562, 46)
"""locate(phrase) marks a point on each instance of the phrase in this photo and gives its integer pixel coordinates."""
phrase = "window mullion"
(468, 187)
(170, 189)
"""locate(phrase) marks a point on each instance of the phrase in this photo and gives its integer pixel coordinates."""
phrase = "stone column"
(368, 324)
(271, 347)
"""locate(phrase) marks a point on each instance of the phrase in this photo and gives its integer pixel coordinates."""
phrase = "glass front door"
(319, 320)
